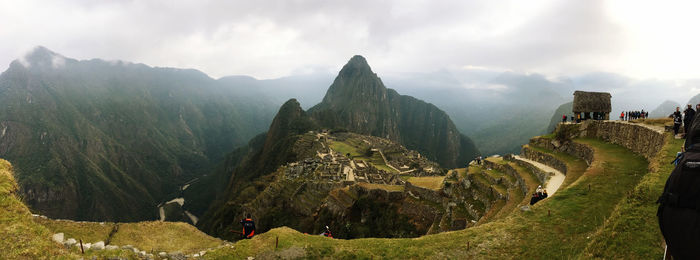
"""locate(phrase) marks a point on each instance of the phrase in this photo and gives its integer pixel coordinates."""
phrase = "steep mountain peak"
(355, 84)
(356, 66)
(290, 120)
(291, 108)
(42, 57)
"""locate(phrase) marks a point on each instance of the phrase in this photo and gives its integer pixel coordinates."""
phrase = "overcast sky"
(268, 39)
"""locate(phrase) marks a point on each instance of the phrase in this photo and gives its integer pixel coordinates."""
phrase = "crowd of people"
(684, 119)
(539, 194)
(633, 115)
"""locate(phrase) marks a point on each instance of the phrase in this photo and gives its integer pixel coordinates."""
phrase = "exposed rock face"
(359, 102)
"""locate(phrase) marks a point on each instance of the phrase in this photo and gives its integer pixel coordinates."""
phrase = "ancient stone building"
(592, 105)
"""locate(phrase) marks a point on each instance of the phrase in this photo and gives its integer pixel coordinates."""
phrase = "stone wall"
(644, 140)
(543, 158)
(572, 148)
(423, 193)
(507, 169)
(541, 175)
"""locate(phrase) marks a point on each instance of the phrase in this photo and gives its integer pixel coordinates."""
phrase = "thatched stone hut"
(592, 105)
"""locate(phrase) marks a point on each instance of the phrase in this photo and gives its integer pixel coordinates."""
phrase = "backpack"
(677, 119)
(679, 209)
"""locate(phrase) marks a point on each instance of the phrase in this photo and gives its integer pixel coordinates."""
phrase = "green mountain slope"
(359, 102)
(665, 109)
(565, 109)
(98, 140)
(605, 211)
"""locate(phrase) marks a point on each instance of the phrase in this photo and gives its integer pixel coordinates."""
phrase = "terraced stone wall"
(644, 140)
(507, 169)
(568, 147)
(544, 158)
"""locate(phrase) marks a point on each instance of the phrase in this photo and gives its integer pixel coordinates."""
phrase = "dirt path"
(554, 182)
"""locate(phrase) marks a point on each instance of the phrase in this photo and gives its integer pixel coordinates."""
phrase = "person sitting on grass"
(248, 227)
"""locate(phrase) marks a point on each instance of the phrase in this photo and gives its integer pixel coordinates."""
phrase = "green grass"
(357, 149)
(345, 148)
(432, 182)
(578, 164)
(556, 228)
(382, 186)
(22, 237)
(632, 231)
(164, 236)
(89, 232)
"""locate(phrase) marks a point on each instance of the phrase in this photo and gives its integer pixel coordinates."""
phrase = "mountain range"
(101, 140)
(357, 102)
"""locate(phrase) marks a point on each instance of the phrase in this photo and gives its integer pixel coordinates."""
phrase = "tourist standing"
(677, 120)
(688, 120)
(622, 116)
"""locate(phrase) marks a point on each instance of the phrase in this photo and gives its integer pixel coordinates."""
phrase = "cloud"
(268, 39)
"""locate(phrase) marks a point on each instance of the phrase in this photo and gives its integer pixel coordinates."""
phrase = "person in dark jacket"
(327, 233)
(248, 227)
(689, 114)
(680, 223)
(677, 120)
(534, 199)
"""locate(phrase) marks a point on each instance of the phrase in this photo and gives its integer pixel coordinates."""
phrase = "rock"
(127, 247)
(195, 255)
(525, 208)
(251, 258)
(176, 256)
(70, 242)
(87, 246)
(58, 238)
(142, 253)
(111, 247)
(163, 254)
(201, 253)
(98, 246)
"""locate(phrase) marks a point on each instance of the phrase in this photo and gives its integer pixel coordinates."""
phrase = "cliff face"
(359, 102)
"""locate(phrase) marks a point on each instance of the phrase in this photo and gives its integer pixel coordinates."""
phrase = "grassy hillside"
(21, 236)
(28, 237)
(573, 223)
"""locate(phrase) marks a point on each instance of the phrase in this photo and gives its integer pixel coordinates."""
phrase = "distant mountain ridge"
(100, 140)
(664, 109)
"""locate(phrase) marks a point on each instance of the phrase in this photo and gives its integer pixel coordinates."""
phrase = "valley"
(367, 162)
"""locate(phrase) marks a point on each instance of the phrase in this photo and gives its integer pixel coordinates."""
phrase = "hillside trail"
(554, 182)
